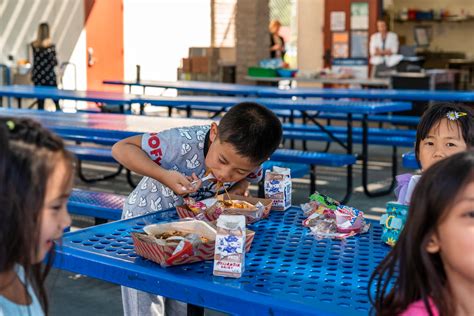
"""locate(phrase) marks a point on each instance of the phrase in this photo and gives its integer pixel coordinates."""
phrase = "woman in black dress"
(277, 43)
(44, 62)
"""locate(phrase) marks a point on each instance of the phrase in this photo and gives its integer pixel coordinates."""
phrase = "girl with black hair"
(444, 129)
(430, 271)
(35, 182)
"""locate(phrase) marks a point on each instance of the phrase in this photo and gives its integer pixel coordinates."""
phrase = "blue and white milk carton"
(229, 255)
(278, 188)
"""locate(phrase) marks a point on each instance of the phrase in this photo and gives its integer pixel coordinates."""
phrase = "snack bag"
(229, 255)
(278, 188)
(324, 200)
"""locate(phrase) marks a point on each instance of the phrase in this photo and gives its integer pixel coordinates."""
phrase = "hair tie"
(453, 115)
(11, 125)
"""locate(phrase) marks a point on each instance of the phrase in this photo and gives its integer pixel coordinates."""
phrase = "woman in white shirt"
(383, 49)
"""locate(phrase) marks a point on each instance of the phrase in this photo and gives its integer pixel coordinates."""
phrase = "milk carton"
(229, 255)
(278, 188)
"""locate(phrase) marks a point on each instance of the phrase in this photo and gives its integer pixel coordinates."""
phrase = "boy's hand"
(179, 183)
(240, 188)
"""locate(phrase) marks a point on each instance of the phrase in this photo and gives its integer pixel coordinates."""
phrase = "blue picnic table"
(329, 93)
(192, 86)
(310, 109)
(287, 271)
(107, 97)
(370, 94)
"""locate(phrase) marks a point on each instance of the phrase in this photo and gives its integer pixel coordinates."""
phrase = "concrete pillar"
(251, 34)
(310, 35)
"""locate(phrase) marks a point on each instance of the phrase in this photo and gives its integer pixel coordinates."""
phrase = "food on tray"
(238, 204)
(174, 233)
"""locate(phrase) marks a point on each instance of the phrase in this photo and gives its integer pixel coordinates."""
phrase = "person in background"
(277, 43)
(44, 62)
(36, 177)
(430, 271)
(383, 49)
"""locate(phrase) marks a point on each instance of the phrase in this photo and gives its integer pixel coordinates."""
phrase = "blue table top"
(211, 101)
(391, 94)
(104, 121)
(364, 107)
(59, 94)
(196, 86)
(287, 271)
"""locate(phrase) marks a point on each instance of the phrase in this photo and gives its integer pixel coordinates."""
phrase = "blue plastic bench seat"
(92, 153)
(313, 158)
(96, 204)
(409, 160)
(402, 141)
(343, 129)
(393, 119)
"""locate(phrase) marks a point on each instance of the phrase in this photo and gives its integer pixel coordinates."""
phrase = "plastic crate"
(261, 72)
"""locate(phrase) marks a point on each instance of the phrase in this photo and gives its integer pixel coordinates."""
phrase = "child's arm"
(130, 154)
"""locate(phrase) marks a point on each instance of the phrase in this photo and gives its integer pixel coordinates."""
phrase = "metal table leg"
(365, 162)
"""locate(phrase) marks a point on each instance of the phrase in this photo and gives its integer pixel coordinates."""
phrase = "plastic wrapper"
(324, 200)
(327, 218)
(349, 219)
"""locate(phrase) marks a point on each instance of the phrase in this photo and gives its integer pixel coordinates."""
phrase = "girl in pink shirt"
(430, 271)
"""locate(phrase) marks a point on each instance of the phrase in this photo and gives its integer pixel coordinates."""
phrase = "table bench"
(100, 205)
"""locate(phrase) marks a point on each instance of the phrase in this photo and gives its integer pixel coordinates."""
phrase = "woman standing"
(383, 49)
(277, 43)
(44, 62)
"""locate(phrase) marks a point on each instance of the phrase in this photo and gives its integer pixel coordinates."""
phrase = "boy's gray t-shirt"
(181, 149)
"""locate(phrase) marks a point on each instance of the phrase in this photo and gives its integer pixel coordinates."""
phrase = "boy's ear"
(433, 244)
(213, 132)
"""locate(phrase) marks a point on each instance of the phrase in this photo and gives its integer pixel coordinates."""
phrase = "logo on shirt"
(154, 143)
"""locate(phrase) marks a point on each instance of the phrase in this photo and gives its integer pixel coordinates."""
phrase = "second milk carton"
(278, 188)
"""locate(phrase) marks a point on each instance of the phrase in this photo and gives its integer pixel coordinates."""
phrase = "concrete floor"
(76, 295)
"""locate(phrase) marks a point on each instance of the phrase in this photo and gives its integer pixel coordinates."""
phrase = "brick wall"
(251, 34)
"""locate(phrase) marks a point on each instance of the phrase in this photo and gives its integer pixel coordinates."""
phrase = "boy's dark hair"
(252, 129)
(28, 156)
(435, 113)
(409, 273)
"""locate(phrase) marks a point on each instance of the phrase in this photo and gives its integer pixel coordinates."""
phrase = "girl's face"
(54, 216)
(454, 238)
(444, 139)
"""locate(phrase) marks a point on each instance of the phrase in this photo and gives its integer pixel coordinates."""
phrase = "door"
(104, 43)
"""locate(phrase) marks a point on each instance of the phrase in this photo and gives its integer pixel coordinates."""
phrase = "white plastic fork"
(208, 177)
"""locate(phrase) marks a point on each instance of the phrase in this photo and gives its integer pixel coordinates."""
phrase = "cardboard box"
(184, 212)
(147, 246)
(186, 64)
(204, 52)
(199, 64)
